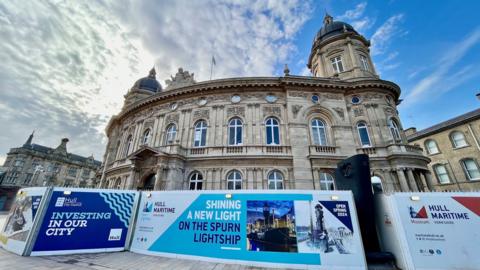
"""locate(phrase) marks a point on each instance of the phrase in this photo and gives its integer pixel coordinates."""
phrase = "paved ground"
(107, 261)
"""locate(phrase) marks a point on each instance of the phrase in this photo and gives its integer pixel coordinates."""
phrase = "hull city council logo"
(418, 213)
(148, 207)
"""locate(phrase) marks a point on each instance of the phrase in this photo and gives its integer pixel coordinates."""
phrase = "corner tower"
(338, 50)
(143, 88)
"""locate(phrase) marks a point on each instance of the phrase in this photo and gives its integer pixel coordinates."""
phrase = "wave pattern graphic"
(121, 204)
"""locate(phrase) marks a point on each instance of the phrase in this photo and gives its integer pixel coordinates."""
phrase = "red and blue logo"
(418, 213)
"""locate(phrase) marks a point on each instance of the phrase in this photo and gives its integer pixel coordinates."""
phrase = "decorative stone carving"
(174, 117)
(340, 112)
(272, 110)
(358, 112)
(296, 109)
(231, 111)
(204, 114)
(331, 96)
(182, 78)
(298, 94)
(389, 110)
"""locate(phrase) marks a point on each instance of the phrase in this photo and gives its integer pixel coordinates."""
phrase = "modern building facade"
(454, 148)
(285, 132)
(37, 165)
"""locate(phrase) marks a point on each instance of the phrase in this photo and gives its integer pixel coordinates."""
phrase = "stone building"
(37, 165)
(285, 132)
(453, 146)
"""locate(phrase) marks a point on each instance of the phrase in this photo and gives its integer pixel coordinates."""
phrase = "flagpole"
(211, 69)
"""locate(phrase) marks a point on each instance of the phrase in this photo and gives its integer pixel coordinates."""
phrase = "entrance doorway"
(148, 182)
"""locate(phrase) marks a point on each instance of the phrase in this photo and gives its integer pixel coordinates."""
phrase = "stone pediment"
(145, 152)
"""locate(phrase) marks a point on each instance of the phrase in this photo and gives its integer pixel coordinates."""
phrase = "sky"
(66, 65)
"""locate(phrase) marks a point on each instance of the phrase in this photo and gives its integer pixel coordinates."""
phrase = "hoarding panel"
(79, 220)
(289, 229)
(19, 222)
(440, 230)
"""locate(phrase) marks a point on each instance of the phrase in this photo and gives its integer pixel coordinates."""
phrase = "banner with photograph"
(282, 228)
(441, 229)
(19, 222)
(79, 221)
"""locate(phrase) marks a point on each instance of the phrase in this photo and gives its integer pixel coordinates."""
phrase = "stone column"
(430, 183)
(389, 186)
(424, 182)
(158, 179)
(403, 180)
(131, 180)
(411, 180)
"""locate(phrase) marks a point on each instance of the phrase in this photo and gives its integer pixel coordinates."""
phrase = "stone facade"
(37, 165)
(453, 146)
(264, 132)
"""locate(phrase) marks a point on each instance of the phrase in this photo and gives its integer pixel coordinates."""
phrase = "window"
(363, 134)
(326, 181)
(28, 178)
(458, 139)
(200, 134)
(442, 174)
(118, 183)
(19, 163)
(234, 180)
(128, 145)
(116, 149)
(86, 172)
(146, 136)
(235, 131)
(196, 181)
(72, 171)
(355, 100)
(170, 134)
(376, 184)
(471, 169)
(318, 132)
(394, 131)
(431, 147)
(337, 64)
(272, 131)
(364, 62)
(275, 180)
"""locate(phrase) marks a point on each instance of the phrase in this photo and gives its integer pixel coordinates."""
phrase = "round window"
(202, 101)
(315, 99)
(355, 100)
(271, 98)
(173, 106)
(236, 99)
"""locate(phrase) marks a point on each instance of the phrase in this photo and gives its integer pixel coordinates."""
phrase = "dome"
(332, 28)
(148, 83)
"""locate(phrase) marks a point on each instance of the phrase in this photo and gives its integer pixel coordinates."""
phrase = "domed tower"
(338, 50)
(143, 88)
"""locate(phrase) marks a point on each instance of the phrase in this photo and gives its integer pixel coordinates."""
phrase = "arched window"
(118, 183)
(196, 181)
(394, 130)
(146, 136)
(431, 147)
(319, 132)
(363, 134)
(128, 145)
(170, 134)
(275, 180)
(458, 139)
(200, 138)
(376, 184)
(471, 169)
(234, 180)
(326, 181)
(117, 148)
(235, 127)
(272, 131)
(442, 174)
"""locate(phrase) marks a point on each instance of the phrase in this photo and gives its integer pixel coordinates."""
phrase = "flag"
(213, 60)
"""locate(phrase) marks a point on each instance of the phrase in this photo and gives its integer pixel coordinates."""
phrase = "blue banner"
(85, 220)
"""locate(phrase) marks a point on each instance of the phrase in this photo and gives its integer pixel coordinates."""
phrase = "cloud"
(385, 33)
(440, 79)
(356, 18)
(66, 65)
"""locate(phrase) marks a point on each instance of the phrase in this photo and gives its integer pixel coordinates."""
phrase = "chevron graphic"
(121, 204)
